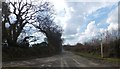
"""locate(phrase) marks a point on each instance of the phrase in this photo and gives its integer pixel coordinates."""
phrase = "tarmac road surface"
(65, 59)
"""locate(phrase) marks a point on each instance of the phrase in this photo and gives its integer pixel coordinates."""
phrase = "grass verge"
(98, 57)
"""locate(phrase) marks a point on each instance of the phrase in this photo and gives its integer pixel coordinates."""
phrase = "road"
(65, 59)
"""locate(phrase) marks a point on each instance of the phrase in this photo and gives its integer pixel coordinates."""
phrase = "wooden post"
(102, 50)
(102, 55)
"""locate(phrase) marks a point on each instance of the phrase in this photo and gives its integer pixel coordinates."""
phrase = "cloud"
(101, 13)
(83, 20)
(70, 29)
(85, 12)
(81, 37)
(112, 27)
(92, 0)
(71, 39)
(113, 20)
(89, 33)
(91, 29)
(113, 17)
(77, 25)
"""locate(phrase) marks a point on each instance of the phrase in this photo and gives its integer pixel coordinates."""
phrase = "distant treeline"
(112, 49)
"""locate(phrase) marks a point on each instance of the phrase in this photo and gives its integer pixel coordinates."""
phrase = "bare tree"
(46, 25)
(22, 10)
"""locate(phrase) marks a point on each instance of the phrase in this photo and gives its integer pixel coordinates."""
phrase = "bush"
(111, 49)
(14, 53)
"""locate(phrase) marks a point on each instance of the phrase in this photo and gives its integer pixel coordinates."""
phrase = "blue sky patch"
(97, 16)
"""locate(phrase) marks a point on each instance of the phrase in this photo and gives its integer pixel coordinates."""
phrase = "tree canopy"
(12, 28)
(46, 25)
(17, 14)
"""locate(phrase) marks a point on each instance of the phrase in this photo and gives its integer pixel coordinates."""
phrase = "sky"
(82, 20)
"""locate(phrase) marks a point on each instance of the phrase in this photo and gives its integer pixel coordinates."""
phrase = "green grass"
(113, 60)
(88, 55)
(96, 56)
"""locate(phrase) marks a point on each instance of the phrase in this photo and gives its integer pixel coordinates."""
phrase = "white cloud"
(71, 39)
(92, 0)
(112, 27)
(113, 17)
(91, 30)
(103, 30)
(71, 29)
(71, 16)
(113, 20)
(62, 12)
(75, 16)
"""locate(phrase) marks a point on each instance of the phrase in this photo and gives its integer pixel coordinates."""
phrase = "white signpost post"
(101, 50)
(102, 55)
